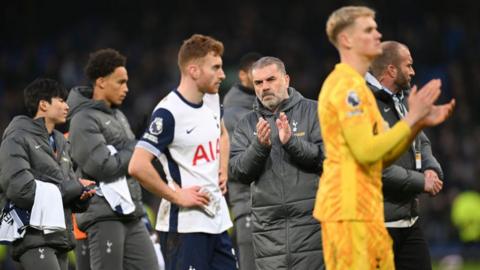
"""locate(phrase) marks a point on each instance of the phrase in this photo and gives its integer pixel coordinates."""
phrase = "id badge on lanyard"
(418, 160)
(418, 156)
(400, 108)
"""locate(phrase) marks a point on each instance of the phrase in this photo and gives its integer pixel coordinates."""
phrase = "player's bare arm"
(142, 169)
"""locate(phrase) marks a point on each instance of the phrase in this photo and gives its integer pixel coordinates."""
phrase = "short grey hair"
(267, 61)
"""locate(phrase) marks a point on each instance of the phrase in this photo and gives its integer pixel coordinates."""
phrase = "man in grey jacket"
(102, 145)
(33, 152)
(237, 103)
(277, 148)
(415, 172)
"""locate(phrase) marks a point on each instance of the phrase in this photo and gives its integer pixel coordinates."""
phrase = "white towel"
(117, 193)
(13, 222)
(47, 211)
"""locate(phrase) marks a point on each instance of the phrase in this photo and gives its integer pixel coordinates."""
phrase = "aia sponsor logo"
(206, 152)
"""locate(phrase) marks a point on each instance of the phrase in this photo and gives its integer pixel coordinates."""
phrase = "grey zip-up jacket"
(93, 126)
(285, 181)
(26, 156)
(237, 103)
(402, 182)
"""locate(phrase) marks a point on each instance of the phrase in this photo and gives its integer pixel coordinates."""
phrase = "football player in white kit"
(184, 135)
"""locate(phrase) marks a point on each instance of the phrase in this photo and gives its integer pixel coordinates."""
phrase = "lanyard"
(402, 111)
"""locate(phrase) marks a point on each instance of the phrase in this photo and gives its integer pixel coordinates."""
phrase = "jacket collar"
(293, 98)
(80, 98)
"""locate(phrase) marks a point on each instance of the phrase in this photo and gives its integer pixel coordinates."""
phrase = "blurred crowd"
(53, 39)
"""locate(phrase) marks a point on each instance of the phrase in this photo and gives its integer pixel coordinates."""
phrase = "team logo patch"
(156, 127)
(352, 99)
(294, 124)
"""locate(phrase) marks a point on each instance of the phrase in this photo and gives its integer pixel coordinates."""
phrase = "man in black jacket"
(277, 148)
(102, 145)
(415, 172)
(237, 103)
(33, 153)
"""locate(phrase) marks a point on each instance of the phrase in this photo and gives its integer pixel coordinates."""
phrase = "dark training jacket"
(93, 126)
(402, 183)
(285, 181)
(26, 156)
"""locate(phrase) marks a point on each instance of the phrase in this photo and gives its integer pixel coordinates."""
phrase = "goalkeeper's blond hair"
(343, 18)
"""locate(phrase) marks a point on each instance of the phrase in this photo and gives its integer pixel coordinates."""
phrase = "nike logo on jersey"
(386, 109)
(37, 146)
(108, 122)
(190, 130)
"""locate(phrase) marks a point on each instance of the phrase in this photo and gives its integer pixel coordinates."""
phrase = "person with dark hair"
(277, 150)
(37, 179)
(184, 135)
(102, 63)
(413, 173)
(349, 202)
(237, 103)
(102, 145)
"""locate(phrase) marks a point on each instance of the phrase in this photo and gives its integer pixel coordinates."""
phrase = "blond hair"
(343, 18)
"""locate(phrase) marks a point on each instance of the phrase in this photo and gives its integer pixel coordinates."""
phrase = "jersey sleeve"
(362, 135)
(159, 133)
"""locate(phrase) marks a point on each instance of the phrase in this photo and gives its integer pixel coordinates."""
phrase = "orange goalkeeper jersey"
(356, 145)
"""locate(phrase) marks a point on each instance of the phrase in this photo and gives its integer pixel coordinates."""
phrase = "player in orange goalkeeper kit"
(358, 145)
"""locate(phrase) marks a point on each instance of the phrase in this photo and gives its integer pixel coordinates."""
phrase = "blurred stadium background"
(53, 39)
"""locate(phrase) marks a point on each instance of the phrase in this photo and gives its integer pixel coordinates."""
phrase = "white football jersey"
(185, 137)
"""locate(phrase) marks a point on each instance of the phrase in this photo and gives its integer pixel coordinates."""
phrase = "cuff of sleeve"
(150, 148)
(71, 190)
(263, 150)
(291, 142)
(418, 182)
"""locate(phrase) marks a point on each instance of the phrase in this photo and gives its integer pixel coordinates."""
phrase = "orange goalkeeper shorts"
(357, 245)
